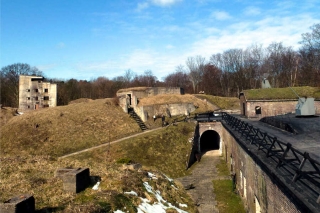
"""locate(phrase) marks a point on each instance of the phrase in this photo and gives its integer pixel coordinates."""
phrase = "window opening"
(258, 110)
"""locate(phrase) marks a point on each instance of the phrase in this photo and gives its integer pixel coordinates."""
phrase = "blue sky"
(86, 39)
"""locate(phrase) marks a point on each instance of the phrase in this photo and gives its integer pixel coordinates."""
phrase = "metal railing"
(299, 165)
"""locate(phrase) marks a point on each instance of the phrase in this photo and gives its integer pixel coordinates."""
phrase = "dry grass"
(34, 174)
(133, 89)
(282, 93)
(230, 103)
(168, 99)
(65, 129)
(6, 113)
(31, 143)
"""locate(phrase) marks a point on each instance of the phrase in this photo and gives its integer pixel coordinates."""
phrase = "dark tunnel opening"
(209, 140)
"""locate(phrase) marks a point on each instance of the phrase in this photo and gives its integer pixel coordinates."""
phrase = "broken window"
(46, 98)
(36, 90)
(46, 105)
(28, 98)
(28, 90)
(46, 90)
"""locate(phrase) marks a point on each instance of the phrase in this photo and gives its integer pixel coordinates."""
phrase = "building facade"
(35, 93)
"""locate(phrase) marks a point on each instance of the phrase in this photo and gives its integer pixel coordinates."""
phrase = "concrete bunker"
(209, 140)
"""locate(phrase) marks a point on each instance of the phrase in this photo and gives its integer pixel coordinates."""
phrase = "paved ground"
(201, 179)
(307, 139)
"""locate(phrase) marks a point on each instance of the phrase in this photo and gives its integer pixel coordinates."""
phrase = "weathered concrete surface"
(307, 139)
(201, 179)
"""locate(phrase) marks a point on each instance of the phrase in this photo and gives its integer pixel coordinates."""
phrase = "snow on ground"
(156, 207)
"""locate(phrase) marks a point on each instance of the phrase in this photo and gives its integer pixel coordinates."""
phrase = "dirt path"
(106, 144)
(201, 179)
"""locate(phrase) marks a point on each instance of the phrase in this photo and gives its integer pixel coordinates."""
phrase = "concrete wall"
(168, 110)
(34, 93)
(256, 188)
(270, 108)
(164, 90)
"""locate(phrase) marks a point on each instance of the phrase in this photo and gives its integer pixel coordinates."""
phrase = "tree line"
(223, 74)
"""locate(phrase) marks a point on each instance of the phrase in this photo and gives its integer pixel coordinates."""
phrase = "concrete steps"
(134, 115)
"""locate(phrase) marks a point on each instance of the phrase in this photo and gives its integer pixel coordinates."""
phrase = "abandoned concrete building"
(35, 93)
(276, 101)
(129, 99)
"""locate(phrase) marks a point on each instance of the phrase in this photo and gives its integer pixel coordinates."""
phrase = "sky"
(86, 39)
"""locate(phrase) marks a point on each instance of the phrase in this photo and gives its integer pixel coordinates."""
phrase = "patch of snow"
(183, 205)
(131, 193)
(156, 207)
(173, 186)
(169, 179)
(96, 186)
(153, 176)
(118, 211)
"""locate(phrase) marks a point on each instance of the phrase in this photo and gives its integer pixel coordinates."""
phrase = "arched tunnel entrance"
(209, 140)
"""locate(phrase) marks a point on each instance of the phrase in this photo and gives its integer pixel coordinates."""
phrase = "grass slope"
(282, 93)
(230, 103)
(31, 143)
(65, 129)
(34, 174)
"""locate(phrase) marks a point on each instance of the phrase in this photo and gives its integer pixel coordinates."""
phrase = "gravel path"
(200, 182)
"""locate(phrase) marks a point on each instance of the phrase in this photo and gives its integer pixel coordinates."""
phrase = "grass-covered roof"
(282, 93)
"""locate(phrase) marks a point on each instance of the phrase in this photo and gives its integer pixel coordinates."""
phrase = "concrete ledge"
(21, 204)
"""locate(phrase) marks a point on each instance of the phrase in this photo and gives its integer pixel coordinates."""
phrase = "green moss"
(120, 201)
(222, 168)
(282, 93)
(227, 200)
(124, 161)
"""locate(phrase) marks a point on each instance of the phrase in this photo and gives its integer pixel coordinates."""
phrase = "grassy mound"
(230, 103)
(65, 129)
(34, 174)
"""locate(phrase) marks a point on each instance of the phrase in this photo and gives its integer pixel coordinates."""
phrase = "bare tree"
(10, 82)
(310, 55)
(128, 77)
(196, 69)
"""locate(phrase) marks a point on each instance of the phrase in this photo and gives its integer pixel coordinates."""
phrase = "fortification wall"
(168, 110)
(260, 191)
(271, 108)
(163, 90)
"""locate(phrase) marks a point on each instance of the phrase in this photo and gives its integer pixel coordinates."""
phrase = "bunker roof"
(281, 93)
(133, 89)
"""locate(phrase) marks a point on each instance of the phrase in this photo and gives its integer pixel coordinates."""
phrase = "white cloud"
(169, 46)
(165, 2)
(220, 15)
(252, 11)
(142, 6)
(287, 30)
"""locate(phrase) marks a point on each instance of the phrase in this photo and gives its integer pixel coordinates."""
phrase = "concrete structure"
(266, 104)
(269, 176)
(129, 98)
(74, 180)
(35, 93)
(20, 204)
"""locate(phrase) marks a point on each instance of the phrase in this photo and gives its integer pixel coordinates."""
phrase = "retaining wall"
(260, 188)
